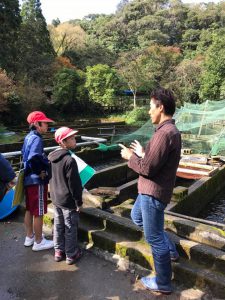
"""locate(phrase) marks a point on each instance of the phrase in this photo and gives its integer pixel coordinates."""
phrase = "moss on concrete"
(48, 220)
(179, 193)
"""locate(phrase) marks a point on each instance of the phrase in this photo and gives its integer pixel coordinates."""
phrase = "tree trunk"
(134, 94)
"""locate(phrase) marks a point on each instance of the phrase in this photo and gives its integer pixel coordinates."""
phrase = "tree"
(11, 110)
(206, 39)
(68, 89)
(67, 37)
(186, 80)
(5, 89)
(147, 68)
(121, 5)
(102, 83)
(10, 22)
(191, 39)
(159, 62)
(129, 67)
(56, 22)
(36, 51)
(214, 69)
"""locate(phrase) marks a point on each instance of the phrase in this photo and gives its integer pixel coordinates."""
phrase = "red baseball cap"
(38, 116)
(63, 133)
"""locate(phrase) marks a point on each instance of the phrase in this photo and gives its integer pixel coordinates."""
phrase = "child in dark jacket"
(66, 195)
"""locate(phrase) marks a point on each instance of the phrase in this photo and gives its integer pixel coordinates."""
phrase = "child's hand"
(78, 208)
(42, 175)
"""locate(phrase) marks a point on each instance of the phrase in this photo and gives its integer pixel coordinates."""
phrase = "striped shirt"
(157, 170)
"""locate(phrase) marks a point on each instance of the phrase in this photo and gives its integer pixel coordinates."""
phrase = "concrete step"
(202, 254)
(196, 231)
(200, 265)
(185, 272)
(187, 228)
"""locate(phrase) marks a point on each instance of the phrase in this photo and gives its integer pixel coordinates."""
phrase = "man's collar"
(170, 121)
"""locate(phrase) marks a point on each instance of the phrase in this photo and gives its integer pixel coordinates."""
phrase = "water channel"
(215, 210)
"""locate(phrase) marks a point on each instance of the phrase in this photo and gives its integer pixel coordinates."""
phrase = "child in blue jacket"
(35, 181)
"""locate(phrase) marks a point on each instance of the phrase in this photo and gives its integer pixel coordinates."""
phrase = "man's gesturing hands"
(135, 147)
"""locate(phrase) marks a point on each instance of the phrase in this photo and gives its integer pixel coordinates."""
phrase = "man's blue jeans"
(148, 212)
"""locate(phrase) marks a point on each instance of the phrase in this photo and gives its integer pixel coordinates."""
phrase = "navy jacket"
(65, 183)
(34, 159)
(6, 175)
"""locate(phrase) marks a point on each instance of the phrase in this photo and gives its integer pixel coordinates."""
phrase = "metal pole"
(90, 141)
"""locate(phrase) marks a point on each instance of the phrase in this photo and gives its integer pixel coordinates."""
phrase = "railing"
(89, 141)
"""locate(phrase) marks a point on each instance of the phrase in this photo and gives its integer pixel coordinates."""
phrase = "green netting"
(103, 147)
(143, 134)
(202, 126)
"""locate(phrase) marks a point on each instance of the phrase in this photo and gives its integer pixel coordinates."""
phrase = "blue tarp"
(6, 205)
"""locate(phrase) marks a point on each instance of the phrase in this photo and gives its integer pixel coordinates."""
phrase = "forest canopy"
(87, 64)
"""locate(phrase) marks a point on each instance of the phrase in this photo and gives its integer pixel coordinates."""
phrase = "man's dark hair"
(166, 98)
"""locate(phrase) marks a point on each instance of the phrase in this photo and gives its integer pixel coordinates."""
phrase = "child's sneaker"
(28, 241)
(43, 245)
(75, 258)
(59, 255)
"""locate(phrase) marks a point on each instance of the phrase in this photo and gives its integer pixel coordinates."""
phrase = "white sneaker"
(43, 245)
(28, 241)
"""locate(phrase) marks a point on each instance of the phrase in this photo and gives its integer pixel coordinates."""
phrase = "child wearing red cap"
(36, 167)
(66, 195)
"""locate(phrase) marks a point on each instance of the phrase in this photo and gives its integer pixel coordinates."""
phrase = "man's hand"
(138, 149)
(125, 152)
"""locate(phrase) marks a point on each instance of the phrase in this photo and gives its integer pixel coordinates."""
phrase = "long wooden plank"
(189, 164)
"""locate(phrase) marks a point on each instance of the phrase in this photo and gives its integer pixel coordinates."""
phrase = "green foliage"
(102, 82)
(205, 40)
(137, 116)
(214, 69)
(35, 49)
(91, 54)
(130, 68)
(11, 110)
(191, 39)
(9, 27)
(14, 112)
(185, 80)
(69, 93)
(144, 70)
(151, 43)
(66, 82)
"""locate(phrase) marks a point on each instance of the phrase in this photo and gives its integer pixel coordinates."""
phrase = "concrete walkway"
(34, 275)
